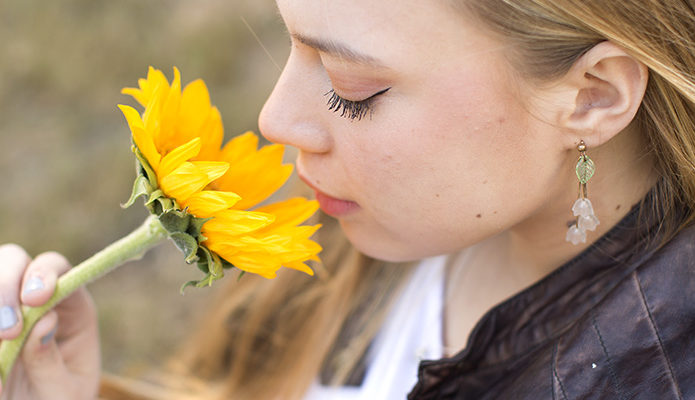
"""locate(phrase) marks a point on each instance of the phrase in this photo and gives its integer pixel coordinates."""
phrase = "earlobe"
(607, 86)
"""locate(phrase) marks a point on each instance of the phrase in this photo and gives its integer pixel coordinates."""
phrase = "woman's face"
(443, 154)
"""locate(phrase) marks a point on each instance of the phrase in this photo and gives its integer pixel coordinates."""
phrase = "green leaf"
(141, 187)
(585, 169)
(187, 244)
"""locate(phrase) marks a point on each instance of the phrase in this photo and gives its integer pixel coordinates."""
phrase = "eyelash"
(349, 108)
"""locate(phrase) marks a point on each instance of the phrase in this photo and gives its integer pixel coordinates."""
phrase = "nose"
(292, 113)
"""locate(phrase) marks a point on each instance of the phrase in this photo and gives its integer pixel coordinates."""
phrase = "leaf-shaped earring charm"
(582, 208)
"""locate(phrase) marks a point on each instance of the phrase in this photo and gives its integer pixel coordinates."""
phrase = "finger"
(13, 262)
(43, 362)
(77, 314)
(78, 336)
(40, 278)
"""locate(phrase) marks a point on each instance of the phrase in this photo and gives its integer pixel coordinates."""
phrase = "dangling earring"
(582, 208)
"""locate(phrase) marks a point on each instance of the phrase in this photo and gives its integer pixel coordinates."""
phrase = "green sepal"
(209, 262)
(187, 244)
(196, 226)
(204, 259)
(182, 290)
(212, 265)
(585, 169)
(242, 273)
(216, 269)
(154, 195)
(145, 168)
(141, 187)
(226, 264)
(206, 281)
(175, 221)
(163, 204)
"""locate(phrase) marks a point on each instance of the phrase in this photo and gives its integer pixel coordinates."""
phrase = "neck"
(497, 268)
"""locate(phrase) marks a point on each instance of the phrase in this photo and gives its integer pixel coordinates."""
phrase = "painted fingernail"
(8, 318)
(47, 338)
(33, 285)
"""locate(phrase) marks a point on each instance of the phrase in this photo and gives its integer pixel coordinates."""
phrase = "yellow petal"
(211, 133)
(195, 107)
(151, 116)
(170, 111)
(240, 147)
(256, 176)
(137, 94)
(213, 169)
(261, 264)
(178, 156)
(300, 266)
(236, 222)
(291, 211)
(181, 183)
(142, 139)
(206, 203)
(131, 116)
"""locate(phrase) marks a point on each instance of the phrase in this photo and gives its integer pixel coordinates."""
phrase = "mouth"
(332, 206)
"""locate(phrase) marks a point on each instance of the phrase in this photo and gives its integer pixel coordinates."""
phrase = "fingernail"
(8, 318)
(47, 338)
(33, 285)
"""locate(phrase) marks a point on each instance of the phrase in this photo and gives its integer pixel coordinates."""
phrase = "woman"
(454, 128)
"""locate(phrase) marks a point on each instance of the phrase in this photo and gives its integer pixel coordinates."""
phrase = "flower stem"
(130, 247)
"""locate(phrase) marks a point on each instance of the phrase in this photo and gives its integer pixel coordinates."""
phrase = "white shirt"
(412, 332)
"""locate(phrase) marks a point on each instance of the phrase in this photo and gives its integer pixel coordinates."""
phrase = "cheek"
(443, 171)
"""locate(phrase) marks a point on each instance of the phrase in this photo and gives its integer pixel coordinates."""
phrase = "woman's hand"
(61, 359)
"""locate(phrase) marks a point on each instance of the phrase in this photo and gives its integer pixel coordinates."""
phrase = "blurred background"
(65, 159)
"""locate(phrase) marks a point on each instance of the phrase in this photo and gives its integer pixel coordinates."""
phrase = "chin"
(381, 247)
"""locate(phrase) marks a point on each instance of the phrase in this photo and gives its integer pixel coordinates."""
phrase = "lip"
(330, 205)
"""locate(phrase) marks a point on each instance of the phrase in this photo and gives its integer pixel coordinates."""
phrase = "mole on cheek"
(617, 208)
(478, 216)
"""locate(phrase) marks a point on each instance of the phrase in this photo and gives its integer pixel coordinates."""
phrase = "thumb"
(43, 362)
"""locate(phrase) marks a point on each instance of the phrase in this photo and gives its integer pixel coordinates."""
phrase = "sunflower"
(204, 194)
(280, 243)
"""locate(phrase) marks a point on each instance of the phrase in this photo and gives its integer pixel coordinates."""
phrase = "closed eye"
(351, 109)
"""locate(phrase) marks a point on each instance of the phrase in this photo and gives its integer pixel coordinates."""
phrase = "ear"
(605, 87)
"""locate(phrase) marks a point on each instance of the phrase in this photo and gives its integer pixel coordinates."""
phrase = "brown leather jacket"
(616, 322)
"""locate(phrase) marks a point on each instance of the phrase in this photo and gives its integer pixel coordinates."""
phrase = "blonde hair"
(269, 340)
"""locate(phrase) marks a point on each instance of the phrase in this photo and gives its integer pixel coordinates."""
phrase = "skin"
(61, 358)
(462, 155)
(462, 152)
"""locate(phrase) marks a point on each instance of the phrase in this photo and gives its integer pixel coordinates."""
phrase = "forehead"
(396, 30)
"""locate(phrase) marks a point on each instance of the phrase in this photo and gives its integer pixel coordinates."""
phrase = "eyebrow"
(338, 49)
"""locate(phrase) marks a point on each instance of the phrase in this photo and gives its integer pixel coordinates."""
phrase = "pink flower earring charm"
(582, 208)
